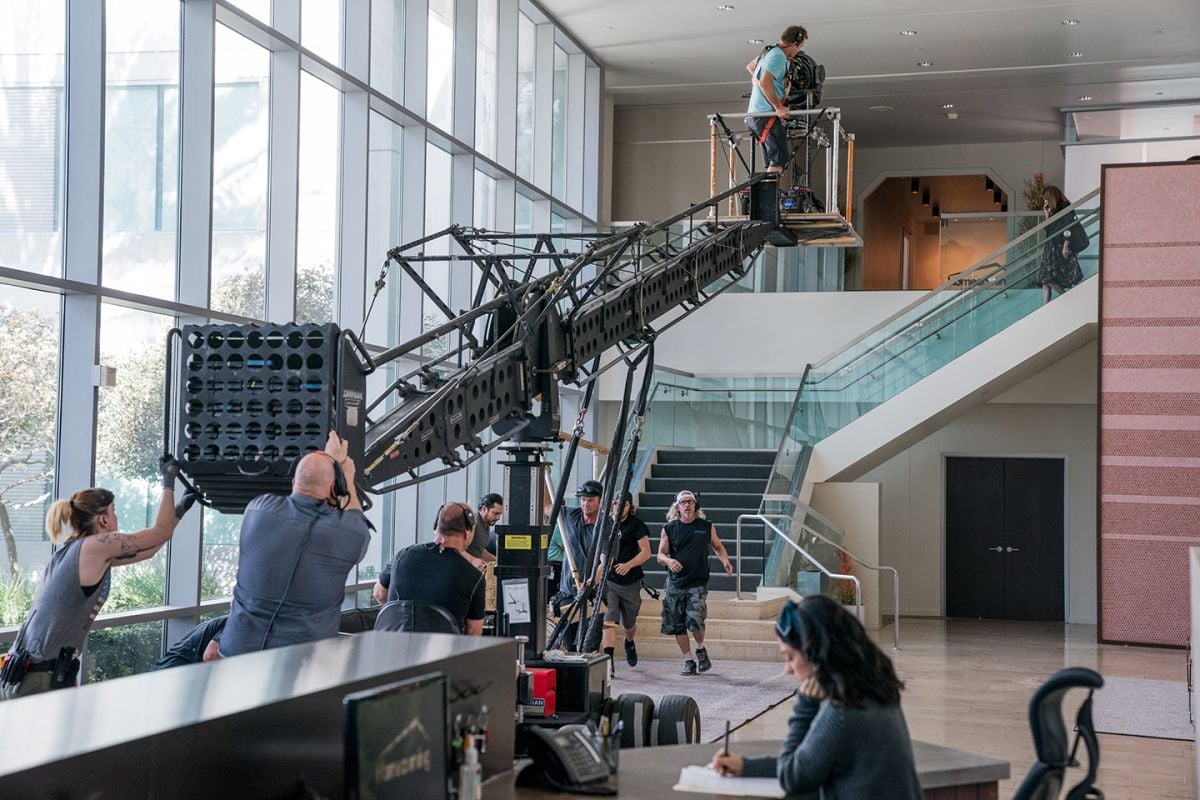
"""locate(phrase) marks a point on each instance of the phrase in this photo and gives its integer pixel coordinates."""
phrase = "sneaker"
(631, 652)
(702, 657)
(689, 667)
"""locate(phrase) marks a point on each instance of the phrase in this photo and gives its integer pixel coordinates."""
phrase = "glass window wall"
(316, 218)
(141, 145)
(241, 134)
(32, 134)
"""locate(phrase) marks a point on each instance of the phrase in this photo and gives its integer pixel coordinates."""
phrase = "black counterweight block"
(254, 399)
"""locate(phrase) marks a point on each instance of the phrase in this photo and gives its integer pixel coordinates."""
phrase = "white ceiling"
(1006, 65)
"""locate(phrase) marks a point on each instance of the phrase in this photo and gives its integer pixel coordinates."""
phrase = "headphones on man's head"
(468, 516)
(695, 496)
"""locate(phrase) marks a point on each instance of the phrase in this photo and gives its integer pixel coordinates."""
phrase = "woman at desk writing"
(847, 736)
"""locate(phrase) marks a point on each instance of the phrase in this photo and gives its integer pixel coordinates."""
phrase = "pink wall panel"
(1149, 400)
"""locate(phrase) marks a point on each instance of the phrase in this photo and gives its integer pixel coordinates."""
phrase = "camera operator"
(769, 93)
(76, 581)
(295, 554)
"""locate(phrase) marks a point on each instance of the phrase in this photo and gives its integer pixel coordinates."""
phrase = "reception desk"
(260, 725)
(649, 773)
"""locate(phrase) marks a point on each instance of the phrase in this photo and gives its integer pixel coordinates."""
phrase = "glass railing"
(938, 328)
(942, 325)
(719, 413)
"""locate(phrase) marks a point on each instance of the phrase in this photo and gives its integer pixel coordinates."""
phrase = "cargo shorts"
(684, 610)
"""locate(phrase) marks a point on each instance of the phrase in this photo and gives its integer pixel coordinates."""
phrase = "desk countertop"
(651, 772)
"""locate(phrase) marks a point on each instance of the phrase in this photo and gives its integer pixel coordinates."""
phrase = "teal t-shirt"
(776, 63)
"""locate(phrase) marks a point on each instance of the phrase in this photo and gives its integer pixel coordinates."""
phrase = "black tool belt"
(62, 670)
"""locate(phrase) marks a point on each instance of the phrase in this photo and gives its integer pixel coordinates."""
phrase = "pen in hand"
(726, 749)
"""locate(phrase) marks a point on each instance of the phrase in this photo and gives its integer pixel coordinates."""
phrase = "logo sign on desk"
(396, 741)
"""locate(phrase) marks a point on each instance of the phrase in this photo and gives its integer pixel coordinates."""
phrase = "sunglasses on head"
(787, 626)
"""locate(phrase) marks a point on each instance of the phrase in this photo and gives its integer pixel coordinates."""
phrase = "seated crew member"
(190, 649)
(623, 592)
(438, 572)
(847, 736)
(769, 93)
(683, 549)
(295, 553)
(76, 580)
(483, 544)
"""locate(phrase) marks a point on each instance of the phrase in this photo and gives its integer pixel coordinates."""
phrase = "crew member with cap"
(623, 592)
(577, 528)
(439, 573)
(683, 549)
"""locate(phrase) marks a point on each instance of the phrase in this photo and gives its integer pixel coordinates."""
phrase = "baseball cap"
(590, 489)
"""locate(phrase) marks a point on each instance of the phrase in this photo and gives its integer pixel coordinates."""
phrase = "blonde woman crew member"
(75, 583)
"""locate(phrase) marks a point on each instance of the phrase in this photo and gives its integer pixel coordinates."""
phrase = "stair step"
(759, 472)
(750, 565)
(666, 456)
(732, 500)
(725, 606)
(662, 648)
(656, 516)
(705, 486)
(716, 581)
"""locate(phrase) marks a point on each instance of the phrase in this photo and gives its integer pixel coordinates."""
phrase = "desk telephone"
(567, 759)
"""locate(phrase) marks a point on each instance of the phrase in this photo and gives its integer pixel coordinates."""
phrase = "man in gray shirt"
(295, 553)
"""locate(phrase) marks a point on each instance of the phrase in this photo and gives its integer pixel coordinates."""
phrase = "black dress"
(1053, 267)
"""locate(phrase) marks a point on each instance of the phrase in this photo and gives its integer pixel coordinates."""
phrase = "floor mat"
(736, 691)
(1142, 707)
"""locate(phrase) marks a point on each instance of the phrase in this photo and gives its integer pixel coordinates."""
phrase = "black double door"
(1004, 538)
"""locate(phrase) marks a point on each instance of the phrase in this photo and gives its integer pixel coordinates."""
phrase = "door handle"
(996, 549)
(1012, 549)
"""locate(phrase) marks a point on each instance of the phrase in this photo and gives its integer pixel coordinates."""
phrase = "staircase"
(737, 630)
(729, 483)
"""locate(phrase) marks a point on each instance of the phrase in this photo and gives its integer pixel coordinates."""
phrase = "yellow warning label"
(518, 542)
(545, 541)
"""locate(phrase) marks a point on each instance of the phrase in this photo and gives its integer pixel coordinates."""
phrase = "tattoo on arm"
(127, 547)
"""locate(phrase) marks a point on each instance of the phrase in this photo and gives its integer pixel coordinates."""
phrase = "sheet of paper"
(516, 600)
(703, 780)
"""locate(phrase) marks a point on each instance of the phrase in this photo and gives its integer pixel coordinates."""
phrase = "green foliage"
(16, 593)
(127, 650)
(244, 293)
(130, 419)
(28, 405)
(139, 585)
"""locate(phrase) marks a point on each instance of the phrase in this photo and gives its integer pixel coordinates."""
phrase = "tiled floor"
(969, 684)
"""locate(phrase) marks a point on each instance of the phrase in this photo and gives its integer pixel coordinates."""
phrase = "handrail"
(764, 518)
(949, 300)
(983, 262)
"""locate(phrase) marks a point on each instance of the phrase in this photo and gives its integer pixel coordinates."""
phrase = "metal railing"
(766, 520)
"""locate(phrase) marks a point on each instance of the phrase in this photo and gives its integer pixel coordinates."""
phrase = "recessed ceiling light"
(882, 108)
(924, 63)
(754, 41)
(1070, 22)
(947, 106)
(908, 33)
(725, 8)
(1076, 54)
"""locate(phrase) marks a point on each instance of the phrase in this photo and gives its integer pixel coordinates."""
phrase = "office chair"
(1045, 778)
(413, 617)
